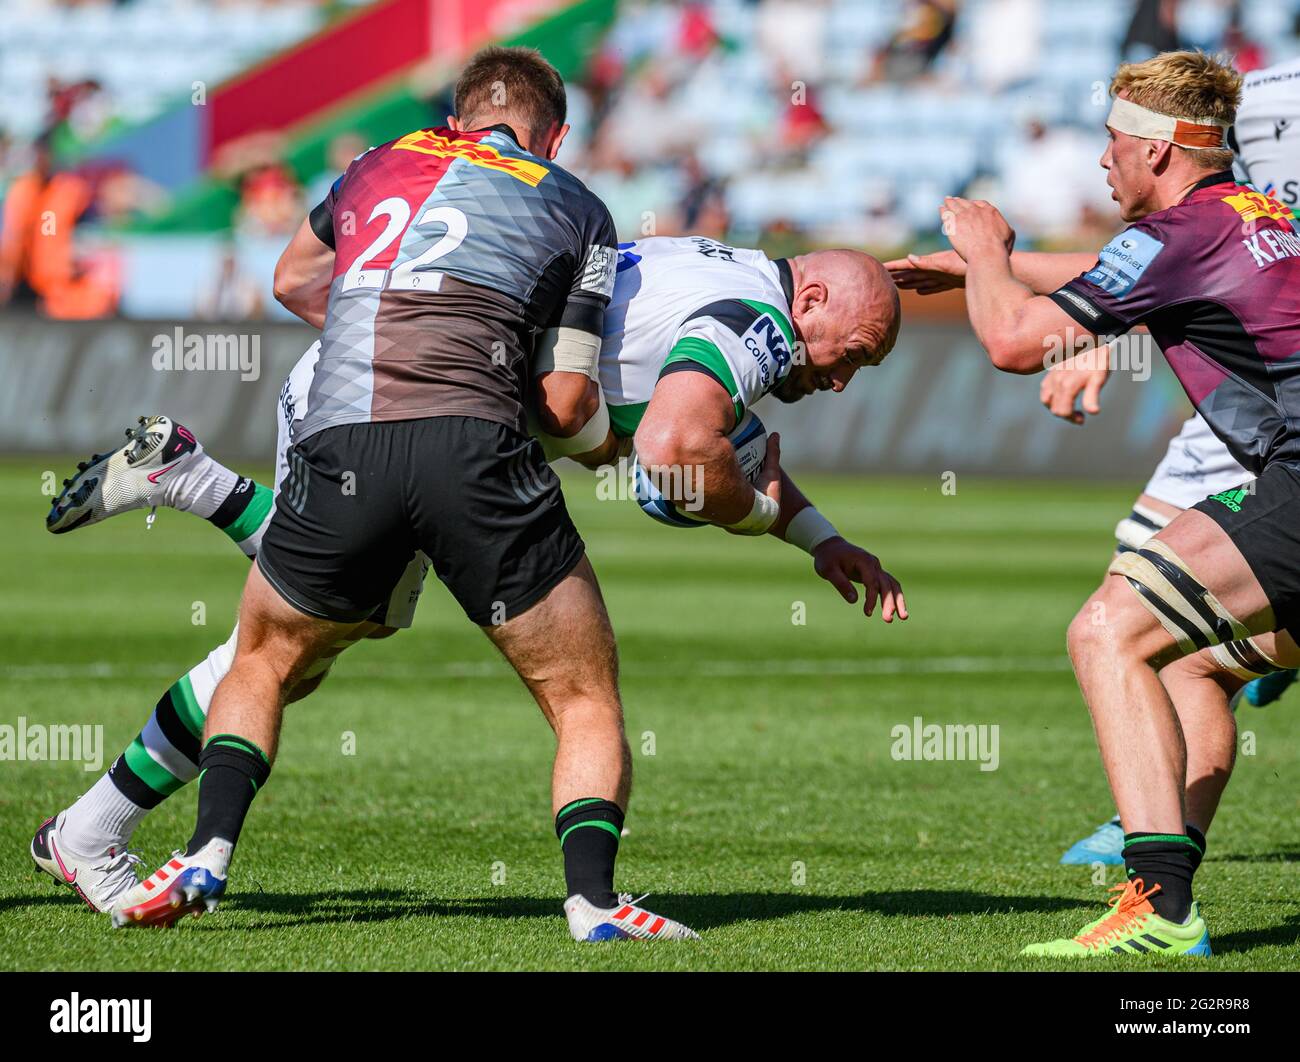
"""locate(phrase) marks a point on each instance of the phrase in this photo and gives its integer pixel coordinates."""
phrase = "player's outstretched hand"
(1084, 374)
(842, 564)
(974, 226)
(927, 274)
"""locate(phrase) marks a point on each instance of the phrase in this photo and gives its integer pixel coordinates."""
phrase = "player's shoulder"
(1281, 77)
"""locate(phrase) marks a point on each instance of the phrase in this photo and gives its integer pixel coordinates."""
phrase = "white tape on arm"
(567, 350)
(761, 517)
(590, 435)
(809, 529)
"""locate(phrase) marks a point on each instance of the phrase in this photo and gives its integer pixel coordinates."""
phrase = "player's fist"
(927, 274)
(842, 564)
(974, 226)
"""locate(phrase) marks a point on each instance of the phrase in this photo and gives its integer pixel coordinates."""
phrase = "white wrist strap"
(762, 516)
(589, 436)
(809, 529)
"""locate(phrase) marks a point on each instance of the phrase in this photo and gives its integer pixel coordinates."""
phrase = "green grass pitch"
(768, 811)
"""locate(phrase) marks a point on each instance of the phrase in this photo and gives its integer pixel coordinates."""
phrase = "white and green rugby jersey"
(693, 302)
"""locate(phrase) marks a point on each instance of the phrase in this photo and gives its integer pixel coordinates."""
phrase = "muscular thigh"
(564, 643)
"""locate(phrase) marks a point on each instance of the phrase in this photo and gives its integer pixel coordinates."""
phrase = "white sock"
(102, 818)
(200, 486)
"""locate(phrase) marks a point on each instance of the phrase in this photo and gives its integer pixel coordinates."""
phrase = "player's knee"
(587, 710)
(1111, 626)
(1085, 636)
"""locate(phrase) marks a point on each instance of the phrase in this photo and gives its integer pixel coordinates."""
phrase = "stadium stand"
(785, 123)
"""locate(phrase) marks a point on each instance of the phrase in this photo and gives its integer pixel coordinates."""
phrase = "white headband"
(1136, 120)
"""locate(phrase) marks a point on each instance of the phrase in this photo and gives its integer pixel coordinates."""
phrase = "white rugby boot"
(184, 885)
(627, 921)
(138, 475)
(100, 878)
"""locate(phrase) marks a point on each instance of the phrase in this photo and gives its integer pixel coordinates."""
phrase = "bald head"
(846, 313)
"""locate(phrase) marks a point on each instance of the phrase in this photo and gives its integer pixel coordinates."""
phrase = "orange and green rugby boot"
(1132, 927)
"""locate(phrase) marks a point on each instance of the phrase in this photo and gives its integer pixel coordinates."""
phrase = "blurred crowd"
(815, 121)
(780, 123)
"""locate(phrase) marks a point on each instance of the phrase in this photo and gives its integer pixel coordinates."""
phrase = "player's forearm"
(996, 301)
(696, 469)
(311, 309)
(793, 501)
(1042, 272)
(800, 524)
(571, 419)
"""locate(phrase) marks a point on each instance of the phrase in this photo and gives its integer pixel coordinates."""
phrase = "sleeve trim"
(322, 223)
(693, 353)
(1083, 311)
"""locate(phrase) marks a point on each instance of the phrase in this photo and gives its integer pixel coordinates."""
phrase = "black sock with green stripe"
(231, 771)
(244, 514)
(589, 830)
(1198, 843)
(1168, 860)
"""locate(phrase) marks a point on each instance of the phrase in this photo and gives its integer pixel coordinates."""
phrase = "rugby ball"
(748, 439)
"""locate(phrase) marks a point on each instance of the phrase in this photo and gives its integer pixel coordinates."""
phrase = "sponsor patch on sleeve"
(599, 269)
(1081, 303)
(1123, 261)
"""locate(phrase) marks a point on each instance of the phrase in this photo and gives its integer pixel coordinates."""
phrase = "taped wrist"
(809, 529)
(761, 516)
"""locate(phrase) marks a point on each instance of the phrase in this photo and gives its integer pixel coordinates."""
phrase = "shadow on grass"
(52, 898)
(698, 911)
(1286, 935)
(1285, 855)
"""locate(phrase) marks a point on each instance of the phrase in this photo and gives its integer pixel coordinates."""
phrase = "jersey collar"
(500, 127)
(786, 275)
(1222, 177)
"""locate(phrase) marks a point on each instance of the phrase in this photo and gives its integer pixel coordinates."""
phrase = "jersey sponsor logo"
(1123, 261)
(599, 270)
(1255, 206)
(480, 154)
(766, 343)
(1280, 127)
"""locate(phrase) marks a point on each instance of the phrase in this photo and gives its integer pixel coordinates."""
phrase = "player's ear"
(454, 123)
(812, 296)
(1159, 154)
(553, 148)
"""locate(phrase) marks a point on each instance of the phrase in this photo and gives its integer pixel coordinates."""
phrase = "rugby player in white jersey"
(1196, 465)
(697, 332)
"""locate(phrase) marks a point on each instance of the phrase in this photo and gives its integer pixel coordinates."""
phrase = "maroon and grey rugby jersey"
(452, 252)
(1216, 280)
